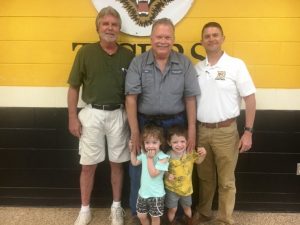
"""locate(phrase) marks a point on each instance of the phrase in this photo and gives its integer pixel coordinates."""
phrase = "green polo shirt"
(102, 76)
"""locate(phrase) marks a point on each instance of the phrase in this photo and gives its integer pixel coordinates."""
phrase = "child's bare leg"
(144, 218)
(155, 220)
(171, 214)
(187, 211)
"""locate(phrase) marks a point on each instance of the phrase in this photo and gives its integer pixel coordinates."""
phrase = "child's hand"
(201, 151)
(151, 154)
(171, 177)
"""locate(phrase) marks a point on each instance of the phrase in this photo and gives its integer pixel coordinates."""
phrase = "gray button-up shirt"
(161, 93)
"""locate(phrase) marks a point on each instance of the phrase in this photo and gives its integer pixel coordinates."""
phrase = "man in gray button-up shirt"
(161, 92)
(161, 87)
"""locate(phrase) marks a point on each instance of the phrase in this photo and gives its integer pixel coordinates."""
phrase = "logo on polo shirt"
(138, 15)
(221, 75)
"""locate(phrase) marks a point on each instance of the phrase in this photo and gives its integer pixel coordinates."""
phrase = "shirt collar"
(220, 62)
(172, 57)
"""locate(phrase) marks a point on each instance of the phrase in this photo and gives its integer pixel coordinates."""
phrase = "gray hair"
(107, 11)
(163, 21)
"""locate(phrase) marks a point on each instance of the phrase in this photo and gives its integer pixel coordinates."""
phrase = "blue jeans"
(135, 171)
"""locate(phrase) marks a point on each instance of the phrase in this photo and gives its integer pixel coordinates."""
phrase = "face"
(212, 39)
(178, 144)
(152, 143)
(162, 40)
(109, 28)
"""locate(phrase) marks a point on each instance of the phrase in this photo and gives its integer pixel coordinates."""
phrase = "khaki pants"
(221, 145)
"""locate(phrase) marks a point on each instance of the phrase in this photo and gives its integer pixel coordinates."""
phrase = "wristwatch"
(249, 129)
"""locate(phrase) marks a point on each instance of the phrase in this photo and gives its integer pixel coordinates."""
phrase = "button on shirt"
(222, 87)
(161, 93)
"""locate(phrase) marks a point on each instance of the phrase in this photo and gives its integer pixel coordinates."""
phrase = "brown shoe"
(189, 221)
(172, 222)
(199, 218)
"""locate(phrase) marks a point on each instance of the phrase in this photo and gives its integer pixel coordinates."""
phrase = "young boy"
(178, 181)
(154, 164)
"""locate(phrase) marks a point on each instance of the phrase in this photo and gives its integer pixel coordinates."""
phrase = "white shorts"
(98, 124)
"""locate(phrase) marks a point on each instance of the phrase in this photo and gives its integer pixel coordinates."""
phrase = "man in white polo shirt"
(224, 81)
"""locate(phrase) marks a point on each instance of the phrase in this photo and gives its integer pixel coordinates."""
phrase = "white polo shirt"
(222, 87)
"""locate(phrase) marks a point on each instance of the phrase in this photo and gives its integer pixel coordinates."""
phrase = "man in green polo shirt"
(100, 69)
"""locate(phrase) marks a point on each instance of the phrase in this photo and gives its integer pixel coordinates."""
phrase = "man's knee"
(88, 170)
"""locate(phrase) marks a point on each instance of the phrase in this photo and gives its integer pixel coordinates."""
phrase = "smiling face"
(178, 144)
(212, 39)
(152, 143)
(109, 28)
(162, 40)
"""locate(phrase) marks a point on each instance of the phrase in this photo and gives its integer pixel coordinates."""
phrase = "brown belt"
(225, 123)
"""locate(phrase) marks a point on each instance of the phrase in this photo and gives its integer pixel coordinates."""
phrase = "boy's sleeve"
(195, 156)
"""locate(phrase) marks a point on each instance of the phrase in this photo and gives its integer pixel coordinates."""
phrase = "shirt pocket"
(175, 82)
(147, 81)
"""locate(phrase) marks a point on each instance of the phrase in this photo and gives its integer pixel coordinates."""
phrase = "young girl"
(154, 164)
(178, 181)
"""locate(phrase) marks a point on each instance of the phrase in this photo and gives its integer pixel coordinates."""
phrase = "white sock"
(85, 208)
(116, 204)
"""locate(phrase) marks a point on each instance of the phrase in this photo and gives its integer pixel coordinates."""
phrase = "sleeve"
(195, 156)
(162, 166)
(77, 71)
(244, 81)
(140, 157)
(191, 85)
(133, 84)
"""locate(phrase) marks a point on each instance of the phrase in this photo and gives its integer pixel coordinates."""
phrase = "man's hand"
(245, 142)
(75, 126)
(135, 145)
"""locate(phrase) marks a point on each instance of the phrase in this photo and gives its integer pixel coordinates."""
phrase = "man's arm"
(250, 108)
(190, 106)
(131, 109)
(74, 123)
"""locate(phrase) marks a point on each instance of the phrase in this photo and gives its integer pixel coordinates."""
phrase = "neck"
(109, 47)
(178, 153)
(161, 62)
(213, 57)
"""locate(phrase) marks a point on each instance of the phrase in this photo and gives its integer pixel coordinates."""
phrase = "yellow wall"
(36, 38)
